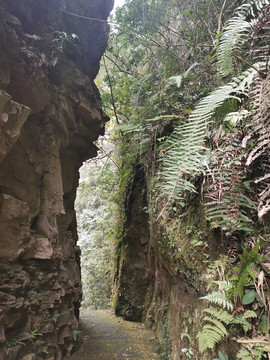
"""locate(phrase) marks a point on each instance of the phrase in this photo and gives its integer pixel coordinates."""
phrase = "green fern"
(249, 314)
(213, 330)
(215, 320)
(242, 320)
(255, 352)
(235, 34)
(218, 298)
(257, 139)
(244, 354)
(246, 272)
(229, 204)
(185, 156)
(220, 314)
(208, 339)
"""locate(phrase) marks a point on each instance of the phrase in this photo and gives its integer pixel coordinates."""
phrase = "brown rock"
(49, 118)
(40, 249)
(14, 227)
(12, 118)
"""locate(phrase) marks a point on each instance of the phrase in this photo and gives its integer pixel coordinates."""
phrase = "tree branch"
(143, 36)
(112, 97)
(118, 67)
(220, 17)
(248, 63)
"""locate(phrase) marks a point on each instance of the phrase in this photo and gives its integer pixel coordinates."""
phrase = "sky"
(118, 3)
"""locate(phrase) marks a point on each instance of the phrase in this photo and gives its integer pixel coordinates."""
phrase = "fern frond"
(230, 204)
(244, 354)
(185, 149)
(242, 320)
(225, 285)
(216, 325)
(260, 36)
(249, 314)
(236, 32)
(219, 327)
(220, 314)
(251, 8)
(207, 339)
(213, 330)
(219, 298)
(253, 351)
(239, 320)
(259, 137)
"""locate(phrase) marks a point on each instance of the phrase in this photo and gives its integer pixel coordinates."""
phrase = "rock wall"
(161, 268)
(50, 114)
(132, 276)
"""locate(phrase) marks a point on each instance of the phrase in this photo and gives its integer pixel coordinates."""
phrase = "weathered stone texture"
(152, 283)
(132, 274)
(50, 114)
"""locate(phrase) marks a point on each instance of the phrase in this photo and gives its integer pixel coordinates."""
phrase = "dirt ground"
(106, 337)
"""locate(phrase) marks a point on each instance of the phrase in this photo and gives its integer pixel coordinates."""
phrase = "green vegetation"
(95, 224)
(12, 343)
(165, 344)
(240, 304)
(186, 85)
(76, 334)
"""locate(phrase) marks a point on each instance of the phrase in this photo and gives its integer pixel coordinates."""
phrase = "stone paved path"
(106, 337)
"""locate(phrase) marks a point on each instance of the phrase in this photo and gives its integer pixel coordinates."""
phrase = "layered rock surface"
(160, 269)
(50, 114)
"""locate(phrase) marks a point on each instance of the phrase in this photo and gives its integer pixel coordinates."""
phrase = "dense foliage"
(187, 83)
(94, 224)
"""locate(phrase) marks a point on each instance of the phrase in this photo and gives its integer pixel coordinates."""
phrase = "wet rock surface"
(50, 114)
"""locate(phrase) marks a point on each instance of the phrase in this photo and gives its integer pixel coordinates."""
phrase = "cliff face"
(132, 269)
(50, 114)
(161, 267)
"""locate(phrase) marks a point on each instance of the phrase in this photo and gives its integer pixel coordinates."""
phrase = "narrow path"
(106, 337)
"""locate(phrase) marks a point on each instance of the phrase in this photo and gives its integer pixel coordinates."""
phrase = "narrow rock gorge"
(186, 228)
(50, 114)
